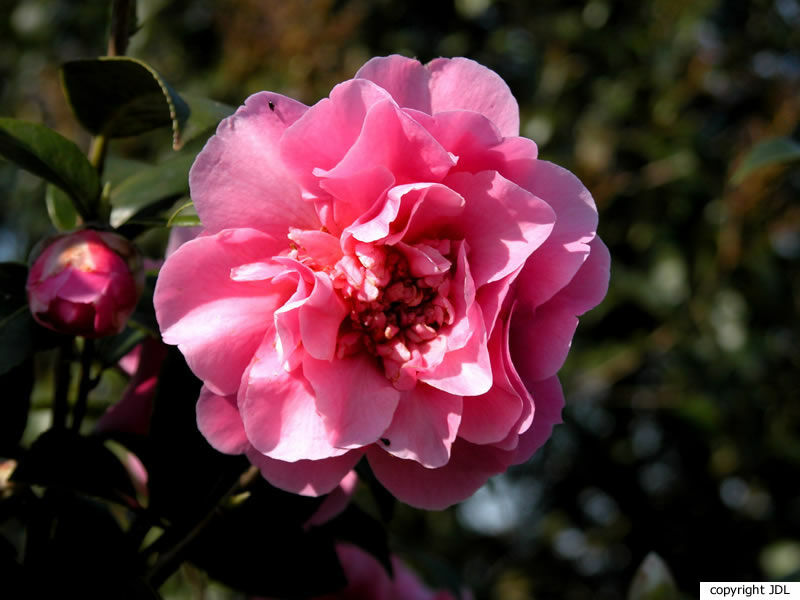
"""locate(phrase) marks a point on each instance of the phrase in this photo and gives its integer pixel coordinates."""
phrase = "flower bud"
(85, 283)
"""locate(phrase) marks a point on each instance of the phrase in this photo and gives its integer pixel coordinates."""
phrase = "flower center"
(395, 314)
(398, 301)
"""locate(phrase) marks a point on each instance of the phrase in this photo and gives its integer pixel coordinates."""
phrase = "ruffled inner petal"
(391, 139)
(325, 133)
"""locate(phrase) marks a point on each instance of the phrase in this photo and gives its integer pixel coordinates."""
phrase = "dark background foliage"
(682, 427)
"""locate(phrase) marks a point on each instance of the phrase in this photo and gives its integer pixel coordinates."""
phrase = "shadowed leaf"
(122, 96)
(20, 335)
(51, 156)
(60, 209)
(67, 460)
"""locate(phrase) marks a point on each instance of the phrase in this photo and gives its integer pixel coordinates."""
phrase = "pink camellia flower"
(390, 273)
(85, 283)
(368, 580)
(132, 412)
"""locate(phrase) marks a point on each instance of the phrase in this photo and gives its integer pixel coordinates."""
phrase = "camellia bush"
(372, 295)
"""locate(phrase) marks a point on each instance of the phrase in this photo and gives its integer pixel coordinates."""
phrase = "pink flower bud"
(85, 283)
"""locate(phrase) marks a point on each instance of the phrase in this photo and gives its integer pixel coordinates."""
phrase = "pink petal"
(463, 84)
(408, 211)
(374, 224)
(512, 376)
(424, 426)
(130, 362)
(305, 477)
(549, 401)
(322, 136)
(217, 322)
(404, 78)
(424, 261)
(257, 271)
(389, 138)
(336, 501)
(133, 411)
(320, 317)
(287, 317)
(590, 284)
(555, 263)
(466, 371)
(353, 397)
(356, 192)
(323, 247)
(76, 286)
(279, 412)
(491, 298)
(366, 577)
(178, 236)
(513, 158)
(219, 421)
(488, 418)
(540, 340)
(520, 223)
(239, 178)
(469, 467)
(426, 213)
(312, 315)
(476, 142)
(462, 295)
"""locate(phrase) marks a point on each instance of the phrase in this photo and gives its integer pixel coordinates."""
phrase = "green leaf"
(20, 335)
(117, 169)
(15, 338)
(49, 155)
(65, 459)
(775, 151)
(75, 546)
(16, 323)
(205, 116)
(17, 385)
(184, 216)
(60, 209)
(149, 186)
(653, 581)
(121, 96)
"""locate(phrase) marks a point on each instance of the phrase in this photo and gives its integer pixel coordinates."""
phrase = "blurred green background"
(682, 427)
